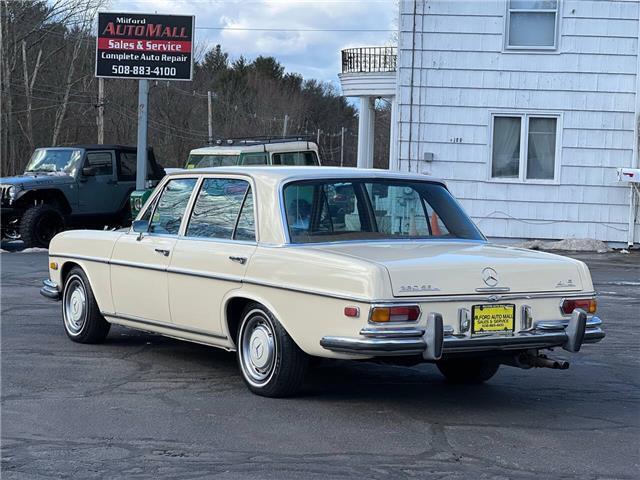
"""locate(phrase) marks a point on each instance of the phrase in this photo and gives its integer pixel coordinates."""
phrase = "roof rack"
(262, 140)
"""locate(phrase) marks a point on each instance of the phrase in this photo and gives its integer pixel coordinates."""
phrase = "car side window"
(254, 159)
(216, 210)
(171, 206)
(127, 166)
(101, 162)
(246, 228)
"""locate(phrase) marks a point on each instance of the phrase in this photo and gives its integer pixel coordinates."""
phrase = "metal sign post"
(143, 110)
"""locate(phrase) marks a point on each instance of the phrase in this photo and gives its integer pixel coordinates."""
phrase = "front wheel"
(272, 365)
(468, 370)
(81, 316)
(39, 224)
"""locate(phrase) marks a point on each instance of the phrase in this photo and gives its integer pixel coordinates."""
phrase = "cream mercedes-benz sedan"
(284, 264)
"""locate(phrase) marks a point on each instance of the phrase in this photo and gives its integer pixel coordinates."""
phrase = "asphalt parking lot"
(144, 406)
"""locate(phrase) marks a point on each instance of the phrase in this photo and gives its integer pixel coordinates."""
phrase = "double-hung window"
(531, 24)
(524, 147)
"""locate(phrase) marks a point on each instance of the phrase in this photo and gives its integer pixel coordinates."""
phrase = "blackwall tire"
(468, 370)
(81, 316)
(39, 224)
(271, 363)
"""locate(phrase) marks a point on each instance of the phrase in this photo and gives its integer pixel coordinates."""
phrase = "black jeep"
(66, 187)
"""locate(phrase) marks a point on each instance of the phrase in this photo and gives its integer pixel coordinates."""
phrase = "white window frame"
(532, 48)
(524, 116)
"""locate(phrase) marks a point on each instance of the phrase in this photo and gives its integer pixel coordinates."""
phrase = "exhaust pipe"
(542, 361)
(529, 360)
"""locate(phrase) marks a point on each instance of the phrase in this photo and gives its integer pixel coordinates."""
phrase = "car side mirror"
(140, 227)
(88, 172)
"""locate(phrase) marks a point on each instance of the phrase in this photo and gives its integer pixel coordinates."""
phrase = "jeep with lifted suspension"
(70, 187)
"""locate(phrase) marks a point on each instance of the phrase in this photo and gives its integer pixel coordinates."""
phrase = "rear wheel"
(272, 365)
(39, 224)
(468, 370)
(83, 322)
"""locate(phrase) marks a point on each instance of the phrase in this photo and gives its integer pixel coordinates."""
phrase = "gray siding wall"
(454, 72)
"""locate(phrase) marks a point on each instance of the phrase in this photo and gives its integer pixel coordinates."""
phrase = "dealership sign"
(144, 46)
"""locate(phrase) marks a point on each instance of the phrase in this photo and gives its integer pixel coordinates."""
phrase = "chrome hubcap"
(75, 306)
(257, 349)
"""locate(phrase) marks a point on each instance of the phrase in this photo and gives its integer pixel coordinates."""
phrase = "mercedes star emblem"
(490, 277)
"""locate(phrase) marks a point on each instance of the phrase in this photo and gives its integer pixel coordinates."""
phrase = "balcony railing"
(369, 60)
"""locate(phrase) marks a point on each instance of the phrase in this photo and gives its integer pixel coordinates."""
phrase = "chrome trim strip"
(374, 346)
(399, 332)
(143, 266)
(197, 273)
(562, 324)
(261, 283)
(385, 240)
(493, 289)
(355, 298)
(217, 277)
(79, 257)
(219, 240)
(491, 298)
(168, 326)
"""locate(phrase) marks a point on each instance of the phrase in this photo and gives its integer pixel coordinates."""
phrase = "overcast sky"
(313, 54)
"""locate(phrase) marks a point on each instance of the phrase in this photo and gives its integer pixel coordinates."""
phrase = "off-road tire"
(81, 316)
(39, 224)
(285, 374)
(468, 370)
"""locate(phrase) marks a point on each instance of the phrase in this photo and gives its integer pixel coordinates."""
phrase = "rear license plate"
(493, 318)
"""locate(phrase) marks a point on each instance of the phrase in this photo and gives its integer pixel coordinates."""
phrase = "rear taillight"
(589, 305)
(404, 313)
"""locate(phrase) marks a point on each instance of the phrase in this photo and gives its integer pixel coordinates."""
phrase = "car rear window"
(376, 209)
(308, 158)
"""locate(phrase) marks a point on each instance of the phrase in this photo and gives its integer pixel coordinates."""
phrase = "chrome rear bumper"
(380, 341)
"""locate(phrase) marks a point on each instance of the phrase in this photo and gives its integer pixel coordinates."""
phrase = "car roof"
(237, 149)
(94, 147)
(282, 173)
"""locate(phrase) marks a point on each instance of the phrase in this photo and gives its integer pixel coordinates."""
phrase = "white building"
(526, 107)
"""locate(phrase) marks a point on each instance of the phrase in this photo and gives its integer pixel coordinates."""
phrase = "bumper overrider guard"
(50, 290)
(435, 341)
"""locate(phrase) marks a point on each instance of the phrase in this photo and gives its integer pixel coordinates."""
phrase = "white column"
(365, 133)
(393, 137)
(372, 131)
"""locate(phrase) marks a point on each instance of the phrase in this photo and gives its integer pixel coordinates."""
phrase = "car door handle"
(111, 182)
(163, 251)
(240, 260)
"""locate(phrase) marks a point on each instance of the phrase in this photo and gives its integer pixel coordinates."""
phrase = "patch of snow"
(621, 283)
(33, 250)
(3, 250)
(569, 244)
